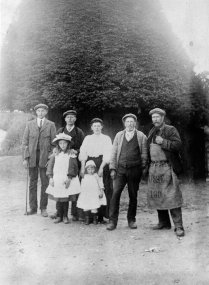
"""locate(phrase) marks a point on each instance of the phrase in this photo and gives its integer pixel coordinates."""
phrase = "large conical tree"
(94, 54)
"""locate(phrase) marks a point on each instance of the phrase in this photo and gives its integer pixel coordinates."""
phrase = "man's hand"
(25, 163)
(113, 174)
(67, 183)
(51, 182)
(144, 173)
(159, 140)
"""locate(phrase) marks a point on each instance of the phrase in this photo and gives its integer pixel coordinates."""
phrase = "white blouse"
(96, 145)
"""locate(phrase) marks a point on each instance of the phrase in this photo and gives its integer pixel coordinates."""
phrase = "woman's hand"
(25, 163)
(113, 174)
(51, 182)
(82, 171)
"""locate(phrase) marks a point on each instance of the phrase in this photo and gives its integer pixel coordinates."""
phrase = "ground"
(36, 251)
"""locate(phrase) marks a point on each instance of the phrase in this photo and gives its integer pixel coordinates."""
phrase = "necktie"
(40, 124)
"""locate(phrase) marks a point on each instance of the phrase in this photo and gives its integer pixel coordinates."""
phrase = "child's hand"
(51, 182)
(67, 183)
(101, 194)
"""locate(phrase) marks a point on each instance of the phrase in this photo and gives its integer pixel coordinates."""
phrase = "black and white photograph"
(104, 142)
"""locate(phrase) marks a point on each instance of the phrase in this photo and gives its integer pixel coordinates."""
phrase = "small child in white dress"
(92, 195)
(62, 170)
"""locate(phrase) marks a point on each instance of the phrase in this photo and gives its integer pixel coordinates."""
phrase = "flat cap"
(157, 111)
(44, 106)
(130, 115)
(62, 136)
(96, 120)
(70, 112)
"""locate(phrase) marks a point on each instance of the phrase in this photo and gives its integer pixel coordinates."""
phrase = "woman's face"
(63, 144)
(96, 128)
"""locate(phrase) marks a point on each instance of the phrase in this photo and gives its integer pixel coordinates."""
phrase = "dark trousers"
(62, 209)
(33, 174)
(176, 214)
(130, 176)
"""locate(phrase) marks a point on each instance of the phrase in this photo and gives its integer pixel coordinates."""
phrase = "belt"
(159, 162)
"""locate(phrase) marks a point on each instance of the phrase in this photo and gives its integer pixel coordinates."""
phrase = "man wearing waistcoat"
(37, 145)
(127, 163)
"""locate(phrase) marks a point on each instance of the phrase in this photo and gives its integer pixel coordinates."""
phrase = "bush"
(14, 124)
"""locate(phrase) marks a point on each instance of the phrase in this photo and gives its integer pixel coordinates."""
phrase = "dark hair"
(69, 145)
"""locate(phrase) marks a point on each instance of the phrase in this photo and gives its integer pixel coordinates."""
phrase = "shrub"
(15, 126)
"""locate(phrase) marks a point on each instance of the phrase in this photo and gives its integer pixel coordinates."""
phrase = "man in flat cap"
(127, 163)
(37, 145)
(77, 135)
(164, 194)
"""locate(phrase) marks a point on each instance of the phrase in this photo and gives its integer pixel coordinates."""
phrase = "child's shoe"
(87, 220)
(66, 220)
(95, 222)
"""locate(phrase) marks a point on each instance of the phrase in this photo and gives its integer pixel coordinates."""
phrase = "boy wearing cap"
(37, 144)
(77, 135)
(128, 162)
(164, 144)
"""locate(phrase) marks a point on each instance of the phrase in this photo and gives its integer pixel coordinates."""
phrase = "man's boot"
(111, 226)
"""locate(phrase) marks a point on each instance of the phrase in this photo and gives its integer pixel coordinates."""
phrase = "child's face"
(63, 144)
(90, 169)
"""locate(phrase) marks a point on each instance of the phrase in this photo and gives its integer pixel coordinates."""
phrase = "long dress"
(90, 190)
(60, 171)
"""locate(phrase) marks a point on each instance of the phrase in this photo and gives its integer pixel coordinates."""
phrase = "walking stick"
(26, 192)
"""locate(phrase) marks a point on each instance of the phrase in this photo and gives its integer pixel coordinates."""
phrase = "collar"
(38, 120)
(131, 132)
(69, 130)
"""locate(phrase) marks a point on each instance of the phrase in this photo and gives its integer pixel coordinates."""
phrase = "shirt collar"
(69, 130)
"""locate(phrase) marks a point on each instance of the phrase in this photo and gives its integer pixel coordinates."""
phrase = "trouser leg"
(108, 190)
(118, 186)
(133, 178)
(176, 215)
(44, 185)
(33, 174)
(65, 209)
(163, 217)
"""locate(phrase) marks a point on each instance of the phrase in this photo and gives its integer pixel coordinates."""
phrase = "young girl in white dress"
(62, 171)
(92, 195)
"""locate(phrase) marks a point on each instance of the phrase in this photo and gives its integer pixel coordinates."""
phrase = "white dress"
(90, 190)
(60, 175)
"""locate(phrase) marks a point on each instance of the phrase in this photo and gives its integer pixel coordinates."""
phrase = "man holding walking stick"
(37, 145)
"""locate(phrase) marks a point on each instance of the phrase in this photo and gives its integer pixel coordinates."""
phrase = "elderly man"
(127, 163)
(164, 193)
(37, 144)
(77, 135)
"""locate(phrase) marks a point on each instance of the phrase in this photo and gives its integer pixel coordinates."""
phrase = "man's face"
(157, 120)
(70, 120)
(96, 128)
(129, 124)
(41, 113)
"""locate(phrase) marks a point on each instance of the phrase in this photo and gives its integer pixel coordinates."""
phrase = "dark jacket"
(76, 134)
(171, 146)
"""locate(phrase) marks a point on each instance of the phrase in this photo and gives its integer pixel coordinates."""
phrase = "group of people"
(91, 172)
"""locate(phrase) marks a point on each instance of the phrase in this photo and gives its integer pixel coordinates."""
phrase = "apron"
(163, 185)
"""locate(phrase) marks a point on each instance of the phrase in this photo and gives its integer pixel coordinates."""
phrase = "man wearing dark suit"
(37, 145)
